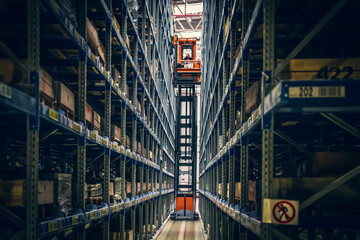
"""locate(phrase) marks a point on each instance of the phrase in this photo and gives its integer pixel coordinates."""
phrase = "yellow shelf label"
(103, 212)
(93, 135)
(53, 114)
(54, 5)
(77, 36)
(53, 226)
(92, 215)
(113, 208)
(104, 141)
(75, 220)
(76, 126)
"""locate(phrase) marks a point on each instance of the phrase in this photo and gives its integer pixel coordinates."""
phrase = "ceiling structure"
(188, 18)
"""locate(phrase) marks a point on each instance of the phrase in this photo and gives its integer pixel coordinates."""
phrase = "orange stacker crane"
(186, 77)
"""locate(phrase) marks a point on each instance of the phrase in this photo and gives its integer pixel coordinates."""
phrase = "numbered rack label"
(317, 92)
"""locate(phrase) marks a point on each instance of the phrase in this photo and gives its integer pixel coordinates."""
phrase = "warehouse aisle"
(182, 230)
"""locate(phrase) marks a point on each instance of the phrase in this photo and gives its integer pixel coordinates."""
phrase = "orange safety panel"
(180, 203)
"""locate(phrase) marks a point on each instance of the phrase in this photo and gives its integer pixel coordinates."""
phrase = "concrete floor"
(182, 230)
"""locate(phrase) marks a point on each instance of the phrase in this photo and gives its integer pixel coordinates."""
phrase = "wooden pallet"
(95, 201)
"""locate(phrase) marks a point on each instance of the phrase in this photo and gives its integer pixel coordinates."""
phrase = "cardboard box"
(64, 96)
(116, 76)
(334, 163)
(128, 142)
(45, 84)
(128, 187)
(238, 190)
(6, 70)
(111, 188)
(94, 190)
(129, 235)
(138, 150)
(254, 193)
(139, 106)
(321, 69)
(12, 192)
(97, 121)
(92, 36)
(89, 114)
(252, 97)
(116, 133)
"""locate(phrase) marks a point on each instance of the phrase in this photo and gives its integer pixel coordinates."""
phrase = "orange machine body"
(183, 203)
(187, 68)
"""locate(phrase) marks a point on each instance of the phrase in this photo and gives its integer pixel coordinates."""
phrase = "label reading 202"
(317, 92)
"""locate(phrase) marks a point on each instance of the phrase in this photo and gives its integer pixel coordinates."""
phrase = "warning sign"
(280, 211)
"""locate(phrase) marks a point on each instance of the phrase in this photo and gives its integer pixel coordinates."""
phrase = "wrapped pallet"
(62, 190)
(117, 187)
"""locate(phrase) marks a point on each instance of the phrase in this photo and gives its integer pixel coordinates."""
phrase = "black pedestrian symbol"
(284, 212)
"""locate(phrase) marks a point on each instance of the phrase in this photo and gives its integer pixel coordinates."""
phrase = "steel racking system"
(38, 137)
(254, 44)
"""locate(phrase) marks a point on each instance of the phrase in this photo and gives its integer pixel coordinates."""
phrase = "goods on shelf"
(64, 96)
(117, 188)
(303, 188)
(111, 188)
(138, 149)
(93, 40)
(116, 24)
(128, 142)
(252, 97)
(321, 69)
(237, 190)
(6, 70)
(117, 78)
(62, 190)
(128, 187)
(69, 10)
(334, 163)
(97, 121)
(129, 235)
(254, 193)
(94, 190)
(12, 192)
(46, 86)
(116, 133)
(89, 114)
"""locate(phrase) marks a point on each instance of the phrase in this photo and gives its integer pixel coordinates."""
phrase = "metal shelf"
(274, 141)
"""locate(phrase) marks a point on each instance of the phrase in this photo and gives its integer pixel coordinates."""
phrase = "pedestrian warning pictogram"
(280, 211)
